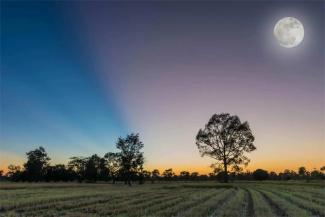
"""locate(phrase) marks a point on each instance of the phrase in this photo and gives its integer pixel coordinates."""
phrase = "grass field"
(194, 199)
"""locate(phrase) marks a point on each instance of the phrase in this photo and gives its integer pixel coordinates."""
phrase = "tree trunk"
(141, 180)
(129, 179)
(226, 172)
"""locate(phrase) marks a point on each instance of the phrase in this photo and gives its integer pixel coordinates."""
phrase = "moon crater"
(289, 32)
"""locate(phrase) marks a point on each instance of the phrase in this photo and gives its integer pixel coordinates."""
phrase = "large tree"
(131, 156)
(226, 139)
(37, 161)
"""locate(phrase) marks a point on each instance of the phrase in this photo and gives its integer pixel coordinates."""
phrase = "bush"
(260, 174)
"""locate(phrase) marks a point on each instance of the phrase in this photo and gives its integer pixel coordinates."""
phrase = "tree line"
(260, 174)
(108, 169)
(126, 165)
(224, 138)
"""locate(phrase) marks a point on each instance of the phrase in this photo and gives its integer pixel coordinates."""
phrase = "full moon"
(289, 32)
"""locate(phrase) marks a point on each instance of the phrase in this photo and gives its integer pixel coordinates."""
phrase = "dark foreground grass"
(164, 199)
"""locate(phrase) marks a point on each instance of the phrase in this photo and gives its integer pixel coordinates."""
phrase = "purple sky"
(167, 67)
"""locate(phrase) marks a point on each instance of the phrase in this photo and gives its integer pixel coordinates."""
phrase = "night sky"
(77, 75)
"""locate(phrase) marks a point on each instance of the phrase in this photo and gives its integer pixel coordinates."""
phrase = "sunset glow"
(77, 75)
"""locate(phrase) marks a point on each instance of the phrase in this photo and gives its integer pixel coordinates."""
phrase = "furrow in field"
(218, 209)
(315, 209)
(56, 207)
(191, 201)
(46, 200)
(121, 205)
(178, 199)
(207, 207)
(67, 204)
(260, 206)
(148, 210)
(117, 210)
(311, 196)
(317, 193)
(234, 206)
(288, 208)
(277, 210)
(86, 202)
(249, 204)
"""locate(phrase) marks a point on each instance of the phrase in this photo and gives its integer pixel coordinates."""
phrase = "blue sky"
(77, 75)
(49, 94)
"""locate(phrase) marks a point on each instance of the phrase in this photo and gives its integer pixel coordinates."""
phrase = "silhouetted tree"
(288, 174)
(247, 175)
(113, 165)
(131, 156)
(221, 176)
(225, 138)
(90, 171)
(236, 171)
(14, 173)
(316, 174)
(103, 169)
(273, 175)
(212, 176)
(302, 172)
(78, 165)
(155, 174)
(37, 161)
(168, 174)
(184, 175)
(139, 175)
(203, 177)
(260, 174)
(218, 173)
(217, 168)
(322, 169)
(58, 173)
(194, 176)
(92, 168)
(146, 175)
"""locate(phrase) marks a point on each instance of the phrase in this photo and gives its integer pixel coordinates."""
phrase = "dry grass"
(192, 199)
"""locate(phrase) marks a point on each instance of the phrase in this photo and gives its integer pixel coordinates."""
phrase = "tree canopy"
(37, 161)
(131, 157)
(260, 174)
(225, 138)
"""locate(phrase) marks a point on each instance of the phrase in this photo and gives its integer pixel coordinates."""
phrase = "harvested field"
(195, 199)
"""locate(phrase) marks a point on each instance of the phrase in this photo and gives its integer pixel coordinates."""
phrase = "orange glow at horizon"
(276, 165)
(162, 77)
